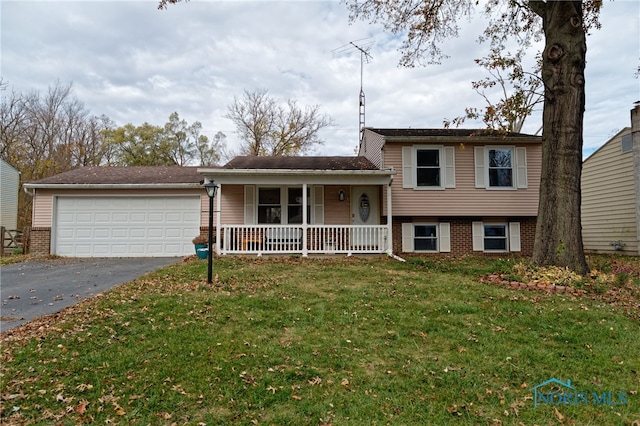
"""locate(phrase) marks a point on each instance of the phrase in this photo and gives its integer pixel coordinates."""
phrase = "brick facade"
(40, 241)
(462, 235)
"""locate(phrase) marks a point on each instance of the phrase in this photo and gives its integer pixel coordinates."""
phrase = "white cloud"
(136, 64)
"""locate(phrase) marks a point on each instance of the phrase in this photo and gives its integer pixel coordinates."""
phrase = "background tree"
(45, 134)
(177, 143)
(564, 24)
(519, 93)
(211, 152)
(269, 128)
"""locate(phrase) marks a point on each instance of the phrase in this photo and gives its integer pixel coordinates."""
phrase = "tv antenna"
(363, 46)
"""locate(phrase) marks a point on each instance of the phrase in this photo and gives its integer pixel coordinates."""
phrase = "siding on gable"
(609, 199)
(465, 199)
(371, 147)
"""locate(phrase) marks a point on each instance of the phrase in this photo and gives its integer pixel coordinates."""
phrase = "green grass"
(10, 258)
(321, 341)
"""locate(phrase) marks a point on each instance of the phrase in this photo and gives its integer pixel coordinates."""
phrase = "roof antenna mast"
(364, 57)
(363, 46)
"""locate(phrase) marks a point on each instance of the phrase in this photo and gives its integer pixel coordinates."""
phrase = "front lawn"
(345, 341)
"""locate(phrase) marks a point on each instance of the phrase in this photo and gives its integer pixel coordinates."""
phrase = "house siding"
(9, 186)
(232, 206)
(465, 199)
(609, 199)
(337, 212)
(371, 147)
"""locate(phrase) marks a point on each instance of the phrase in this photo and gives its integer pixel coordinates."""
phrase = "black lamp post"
(211, 189)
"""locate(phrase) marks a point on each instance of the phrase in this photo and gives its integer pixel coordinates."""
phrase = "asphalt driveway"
(40, 287)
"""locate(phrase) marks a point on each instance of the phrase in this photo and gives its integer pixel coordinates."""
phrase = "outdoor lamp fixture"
(341, 195)
(211, 189)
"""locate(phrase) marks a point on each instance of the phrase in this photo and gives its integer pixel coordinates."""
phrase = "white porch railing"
(299, 239)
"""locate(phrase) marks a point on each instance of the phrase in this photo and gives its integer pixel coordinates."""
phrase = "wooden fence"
(14, 241)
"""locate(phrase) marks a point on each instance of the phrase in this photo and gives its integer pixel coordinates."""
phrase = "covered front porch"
(303, 239)
(321, 205)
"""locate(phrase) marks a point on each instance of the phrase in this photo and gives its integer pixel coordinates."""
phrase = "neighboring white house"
(611, 193)
(9, 186)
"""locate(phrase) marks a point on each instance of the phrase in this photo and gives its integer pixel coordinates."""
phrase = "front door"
(365, 210)
(364, 205)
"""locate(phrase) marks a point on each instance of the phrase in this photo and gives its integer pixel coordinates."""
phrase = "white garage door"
(126, 226)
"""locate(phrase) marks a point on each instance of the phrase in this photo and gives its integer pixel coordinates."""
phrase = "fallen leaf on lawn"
(558, 414)
(315, 381)
(296, 397)
(81, 408)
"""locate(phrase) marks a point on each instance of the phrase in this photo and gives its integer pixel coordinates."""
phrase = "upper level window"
(428, 167)
(500, 167)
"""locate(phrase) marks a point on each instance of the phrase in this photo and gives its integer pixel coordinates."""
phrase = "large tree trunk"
(558, 238)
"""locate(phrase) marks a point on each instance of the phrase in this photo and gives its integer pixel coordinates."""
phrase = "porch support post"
(217, 210)
(305, 221)
(389, 221)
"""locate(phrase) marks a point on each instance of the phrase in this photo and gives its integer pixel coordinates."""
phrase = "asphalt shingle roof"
(125, 175)
(300, 163)
(445, 133)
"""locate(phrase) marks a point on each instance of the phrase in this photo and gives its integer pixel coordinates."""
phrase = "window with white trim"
(294, 205)
(428, 167)
(496, 236)
(426, 237)
(281, 205)
(269, 205)
(500, 167)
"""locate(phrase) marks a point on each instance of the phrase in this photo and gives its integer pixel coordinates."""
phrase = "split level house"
(432, 191)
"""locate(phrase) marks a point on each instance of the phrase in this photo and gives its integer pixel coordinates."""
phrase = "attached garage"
(125, 226)
(118, 212)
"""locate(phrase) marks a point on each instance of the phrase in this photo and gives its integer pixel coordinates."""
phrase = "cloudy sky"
(136, 64)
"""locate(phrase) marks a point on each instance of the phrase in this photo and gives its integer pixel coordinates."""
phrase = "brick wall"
(462, 235)
(40, 243)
